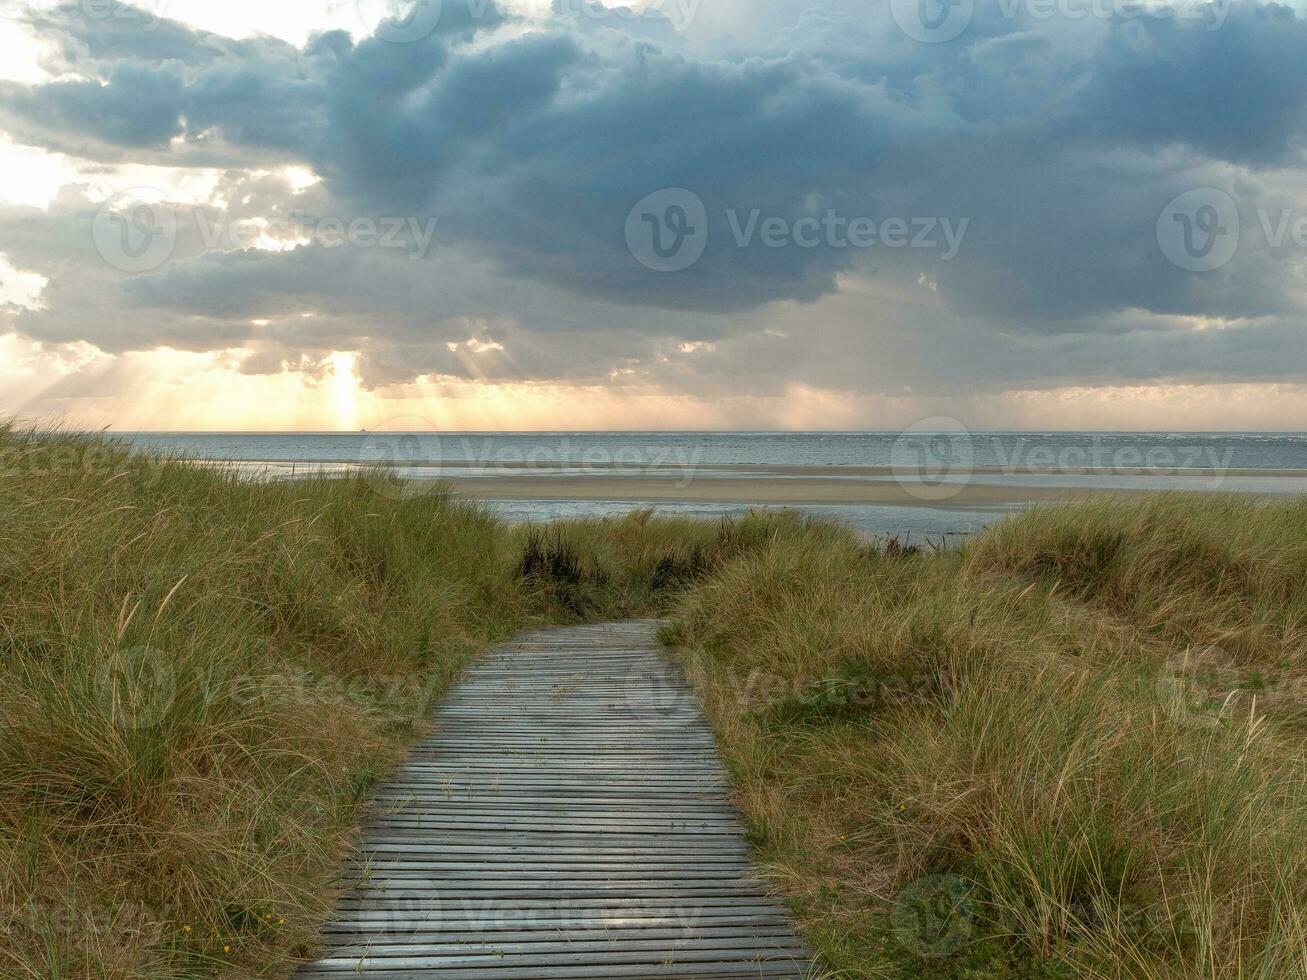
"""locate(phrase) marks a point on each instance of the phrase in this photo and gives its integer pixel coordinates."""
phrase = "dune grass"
(1072, 748)
(201, 676)
(199, 679)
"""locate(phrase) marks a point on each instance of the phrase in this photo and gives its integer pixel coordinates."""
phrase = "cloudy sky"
(331, 214)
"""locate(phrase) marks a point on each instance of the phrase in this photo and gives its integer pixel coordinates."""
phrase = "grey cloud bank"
(1036, 151)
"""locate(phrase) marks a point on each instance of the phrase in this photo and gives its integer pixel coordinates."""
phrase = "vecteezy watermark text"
(668, 230)
(115, 921)
(667, 692)
(408, 233)
(834, 230)
(135, 233)
(412, 446)
(937, 21)
(145, 14)
(421, 910)
(679, 14)
(938, 916)
(1014, 455)
(408, 21)
(935, 458)
(67, 459)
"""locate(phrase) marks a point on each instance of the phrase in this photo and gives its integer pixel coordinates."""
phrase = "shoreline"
(811, 470)
(762, 491)
(972, 489)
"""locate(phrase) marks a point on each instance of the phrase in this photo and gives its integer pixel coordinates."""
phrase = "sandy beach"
(758, 490)
(977, 489)
(689, 469)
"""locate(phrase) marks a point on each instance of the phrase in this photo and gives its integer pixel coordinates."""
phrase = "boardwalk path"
(567, 818)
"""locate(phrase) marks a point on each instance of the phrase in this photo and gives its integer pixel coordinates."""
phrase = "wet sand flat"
(759, 490)
(451, 469)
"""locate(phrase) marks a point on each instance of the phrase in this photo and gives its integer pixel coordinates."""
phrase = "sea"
(1265, 462)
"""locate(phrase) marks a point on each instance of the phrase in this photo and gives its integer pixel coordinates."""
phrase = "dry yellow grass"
(1020, 721)
(1073, 748)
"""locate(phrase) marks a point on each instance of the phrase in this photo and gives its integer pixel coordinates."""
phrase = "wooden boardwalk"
(567, 818)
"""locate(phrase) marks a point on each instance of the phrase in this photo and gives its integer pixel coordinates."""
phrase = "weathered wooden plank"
(567, 817)
(624, 957)
(610, 933)
(556, 913)
(517, 971)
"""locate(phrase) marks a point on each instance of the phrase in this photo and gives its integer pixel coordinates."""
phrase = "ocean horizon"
(555, 475)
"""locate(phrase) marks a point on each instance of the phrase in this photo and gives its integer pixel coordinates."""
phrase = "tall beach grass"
(202, 675)
(1073, 747)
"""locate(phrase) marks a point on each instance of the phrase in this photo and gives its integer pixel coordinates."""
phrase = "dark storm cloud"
(139, 106)
(1238, 93)
(1058, 143)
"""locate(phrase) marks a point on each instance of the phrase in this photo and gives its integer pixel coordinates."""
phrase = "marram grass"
(1073, 748)
(201, 676)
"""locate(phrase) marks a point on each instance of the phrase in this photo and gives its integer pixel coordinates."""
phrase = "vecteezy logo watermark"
(937, 21)
(403, 458)
(397, 232)
(667, 230)
(397, 912)
(132, 234)
(1195, 685)
(137, 685)
(932, 458)
(659, 693)
(934, 916)
(679, 14)
(932, 21)
(1198, 231)
(399, 21)
(935, 458)
(148, 13)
